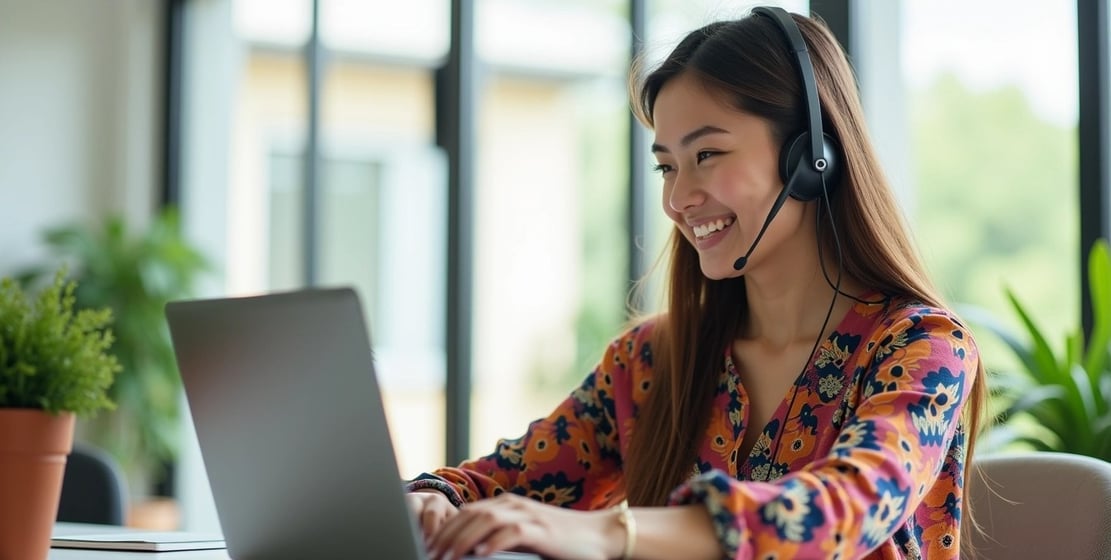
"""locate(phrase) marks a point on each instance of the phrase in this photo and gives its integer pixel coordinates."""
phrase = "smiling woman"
(805, 393)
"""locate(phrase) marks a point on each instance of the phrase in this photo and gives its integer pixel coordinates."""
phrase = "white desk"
(85, 554)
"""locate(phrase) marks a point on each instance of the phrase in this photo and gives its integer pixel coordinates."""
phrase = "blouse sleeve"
(889, 452)
(571, 458)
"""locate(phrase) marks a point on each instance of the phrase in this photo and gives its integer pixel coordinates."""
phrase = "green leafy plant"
(134, 274)
(53, 357)
(1059, 400)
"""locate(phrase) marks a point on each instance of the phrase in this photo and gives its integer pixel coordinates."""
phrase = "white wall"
(79, 116)
(80, 135)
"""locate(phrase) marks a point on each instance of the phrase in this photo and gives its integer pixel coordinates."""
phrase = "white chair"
(1041, 506)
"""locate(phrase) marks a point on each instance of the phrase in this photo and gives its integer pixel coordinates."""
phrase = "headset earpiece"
(795, 153)
(806, 173)
(799, 156)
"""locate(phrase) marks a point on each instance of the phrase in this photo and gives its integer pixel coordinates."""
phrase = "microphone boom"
(743, 260)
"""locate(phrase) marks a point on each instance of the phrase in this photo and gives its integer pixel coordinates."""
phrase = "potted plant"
(54, 364)
(134, 273)
(1058, 400)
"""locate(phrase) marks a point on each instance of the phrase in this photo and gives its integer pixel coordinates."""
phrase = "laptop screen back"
(291, 426)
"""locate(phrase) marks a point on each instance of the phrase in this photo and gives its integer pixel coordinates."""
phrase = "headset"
(810, 160)
(810, 155)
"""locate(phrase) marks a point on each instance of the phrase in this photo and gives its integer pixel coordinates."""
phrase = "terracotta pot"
(33, 449)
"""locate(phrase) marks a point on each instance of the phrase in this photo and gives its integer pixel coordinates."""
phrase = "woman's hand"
(432, 509)
(510, 521)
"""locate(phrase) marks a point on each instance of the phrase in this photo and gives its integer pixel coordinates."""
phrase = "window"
(993, 120)
(380, 198)
(550, 223)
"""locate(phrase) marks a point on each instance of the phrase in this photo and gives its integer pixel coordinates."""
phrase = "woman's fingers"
(462, 532)
(431, 510)
(430, 521)
(505, 538)
(514, 522)
(473, 526)
(477, 532)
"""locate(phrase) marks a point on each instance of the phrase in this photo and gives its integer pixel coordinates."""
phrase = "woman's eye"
(704, 154)
(662, 168)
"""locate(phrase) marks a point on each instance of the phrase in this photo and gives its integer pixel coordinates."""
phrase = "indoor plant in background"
(1058, 400)
(54, 364)
(134, 273)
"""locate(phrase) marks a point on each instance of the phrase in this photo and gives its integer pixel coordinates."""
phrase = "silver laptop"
(291, 427)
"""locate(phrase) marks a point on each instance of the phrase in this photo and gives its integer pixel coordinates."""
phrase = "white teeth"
(711, 227)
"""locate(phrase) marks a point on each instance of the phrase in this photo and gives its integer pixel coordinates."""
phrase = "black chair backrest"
(93, 488)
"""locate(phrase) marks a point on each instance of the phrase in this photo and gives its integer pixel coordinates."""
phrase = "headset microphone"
(787, 190)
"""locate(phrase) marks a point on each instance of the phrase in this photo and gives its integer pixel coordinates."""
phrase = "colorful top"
(870, 463)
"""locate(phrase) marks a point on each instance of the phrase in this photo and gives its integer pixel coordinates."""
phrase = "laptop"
(291, 427)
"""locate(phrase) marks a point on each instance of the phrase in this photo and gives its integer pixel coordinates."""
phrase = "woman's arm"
(511, 522)
(674, 532)
(571, 458)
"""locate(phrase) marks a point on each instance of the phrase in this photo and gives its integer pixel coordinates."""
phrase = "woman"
(703, 409)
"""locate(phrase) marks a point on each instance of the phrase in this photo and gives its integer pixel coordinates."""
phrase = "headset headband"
(806, 71)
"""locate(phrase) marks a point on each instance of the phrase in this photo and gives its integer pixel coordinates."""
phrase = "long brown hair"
(746, 62)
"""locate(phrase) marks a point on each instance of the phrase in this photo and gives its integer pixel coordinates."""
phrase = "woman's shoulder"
(911, 311)
(904, 320)
(634, 348)
(638, 336)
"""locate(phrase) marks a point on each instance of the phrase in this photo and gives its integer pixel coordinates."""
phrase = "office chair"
(93, 489)
(1041, 505)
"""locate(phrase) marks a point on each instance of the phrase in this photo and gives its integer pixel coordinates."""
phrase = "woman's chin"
(718, 270)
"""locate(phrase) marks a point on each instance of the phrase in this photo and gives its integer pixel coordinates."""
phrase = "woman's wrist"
(437, 484)
(620, 532)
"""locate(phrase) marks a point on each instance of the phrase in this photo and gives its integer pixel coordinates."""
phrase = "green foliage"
(1060, 400)
(134, 275)
(53, 357)
(995, 199)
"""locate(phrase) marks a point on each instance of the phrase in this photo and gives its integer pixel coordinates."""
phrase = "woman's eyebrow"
(691, 137)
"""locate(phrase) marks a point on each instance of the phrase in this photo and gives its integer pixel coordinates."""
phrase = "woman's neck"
(788, 304)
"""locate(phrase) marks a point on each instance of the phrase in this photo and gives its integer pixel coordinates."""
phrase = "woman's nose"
(685, 193)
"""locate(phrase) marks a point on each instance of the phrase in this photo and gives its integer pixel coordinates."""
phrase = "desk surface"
(86, 554)
(83, 554)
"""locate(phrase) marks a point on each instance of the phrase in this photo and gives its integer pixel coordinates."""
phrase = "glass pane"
(993, 120)
(382, 202)
(550, 226)
(286, 253)
(351, 229)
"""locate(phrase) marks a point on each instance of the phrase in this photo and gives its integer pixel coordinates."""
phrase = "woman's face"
(719, 167)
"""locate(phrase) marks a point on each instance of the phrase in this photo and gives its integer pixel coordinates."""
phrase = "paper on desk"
(145, 540)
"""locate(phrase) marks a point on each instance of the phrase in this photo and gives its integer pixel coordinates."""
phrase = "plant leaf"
(983, 317)
(1047, 369)
(1099, 287)
(1036, 397)
(1085, 409)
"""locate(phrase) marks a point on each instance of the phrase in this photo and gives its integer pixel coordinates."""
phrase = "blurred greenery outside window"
(993, 146)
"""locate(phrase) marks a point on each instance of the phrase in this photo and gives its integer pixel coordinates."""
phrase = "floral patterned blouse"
(869, 464)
